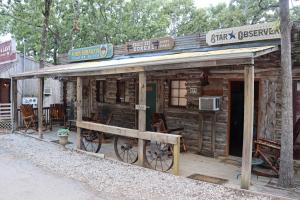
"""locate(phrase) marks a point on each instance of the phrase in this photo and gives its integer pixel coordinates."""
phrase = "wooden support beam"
(14, 104)
(127, 132)
(176, 154)
(40, 106)
(248, 127)
(142, 116)
(79, 111)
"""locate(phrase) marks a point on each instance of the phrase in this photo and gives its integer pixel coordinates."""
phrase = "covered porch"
(142, 68)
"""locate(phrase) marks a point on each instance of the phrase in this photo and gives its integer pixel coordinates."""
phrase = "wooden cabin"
(179, 74)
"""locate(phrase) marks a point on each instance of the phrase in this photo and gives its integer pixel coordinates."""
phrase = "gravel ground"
(113, 179)
(22, 180)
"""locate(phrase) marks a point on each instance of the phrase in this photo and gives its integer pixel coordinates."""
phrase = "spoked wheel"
(91, 141)
(159, 156)
(126, 149)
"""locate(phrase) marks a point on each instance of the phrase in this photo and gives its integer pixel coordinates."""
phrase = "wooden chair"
(29, 117)
(269, 151)
(57, 114)
(159, 124)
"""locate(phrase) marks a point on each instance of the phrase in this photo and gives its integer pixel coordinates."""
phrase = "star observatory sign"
(266, 31)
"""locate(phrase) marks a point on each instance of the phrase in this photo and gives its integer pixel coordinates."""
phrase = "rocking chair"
(29, 117)
(159, 124)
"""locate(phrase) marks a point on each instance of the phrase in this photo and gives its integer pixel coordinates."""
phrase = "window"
(122, 95)
(100, 91)
(178, 93)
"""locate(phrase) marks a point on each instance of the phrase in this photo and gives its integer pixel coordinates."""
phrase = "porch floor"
(227, 168)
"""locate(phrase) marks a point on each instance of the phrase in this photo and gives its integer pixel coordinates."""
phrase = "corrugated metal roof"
(144, 63)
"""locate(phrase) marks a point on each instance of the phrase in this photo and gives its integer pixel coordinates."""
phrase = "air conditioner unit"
(209, 103)
(47, 91)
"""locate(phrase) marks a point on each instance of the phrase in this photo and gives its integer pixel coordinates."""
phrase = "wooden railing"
(46, 113)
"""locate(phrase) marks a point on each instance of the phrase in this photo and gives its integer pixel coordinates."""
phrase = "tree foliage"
(79, 23)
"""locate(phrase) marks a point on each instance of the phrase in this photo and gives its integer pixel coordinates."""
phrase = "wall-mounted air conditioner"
(209, 103)
(47, 91)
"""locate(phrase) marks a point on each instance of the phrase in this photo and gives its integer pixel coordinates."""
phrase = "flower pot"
(63, 140)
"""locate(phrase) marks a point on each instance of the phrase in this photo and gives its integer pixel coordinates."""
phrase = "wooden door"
(151, 103)
(4, 91)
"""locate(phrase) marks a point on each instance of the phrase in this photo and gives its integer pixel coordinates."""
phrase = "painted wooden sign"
(157, 44)
(8, 52)
(266, 31)
(91, 53)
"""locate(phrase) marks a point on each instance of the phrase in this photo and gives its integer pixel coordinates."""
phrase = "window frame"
(100, 93)
(177, 97)
(120, 83)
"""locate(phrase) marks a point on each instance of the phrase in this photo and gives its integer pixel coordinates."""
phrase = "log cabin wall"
(124, 114)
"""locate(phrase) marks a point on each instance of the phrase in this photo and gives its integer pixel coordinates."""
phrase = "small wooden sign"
(91, 53)
(157, 44)
(140, 107)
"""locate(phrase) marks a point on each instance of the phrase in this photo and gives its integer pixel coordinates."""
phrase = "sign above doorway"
(157, 44)
(101, 51)
(265, 31)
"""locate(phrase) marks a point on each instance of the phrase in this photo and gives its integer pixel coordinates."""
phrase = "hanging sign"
(266, 31)
(8, 52)
(143, 46)
(91, 53)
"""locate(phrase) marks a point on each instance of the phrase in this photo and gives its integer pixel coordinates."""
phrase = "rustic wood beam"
(40, 106)
(79, 111)
(248, 127)
(142, 116)
(14, 104)
(127, 132)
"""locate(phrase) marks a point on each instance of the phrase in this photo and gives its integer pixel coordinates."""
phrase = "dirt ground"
(34, 169)
(21, 180)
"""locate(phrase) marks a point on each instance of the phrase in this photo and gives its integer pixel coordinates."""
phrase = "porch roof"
(159, 62)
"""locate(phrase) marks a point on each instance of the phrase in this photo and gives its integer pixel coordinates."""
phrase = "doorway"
(237, 116)
(151, 103)
(4, 90)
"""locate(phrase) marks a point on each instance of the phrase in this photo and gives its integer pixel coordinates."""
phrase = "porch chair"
(159, 124)
(57, 114)
(29, 117)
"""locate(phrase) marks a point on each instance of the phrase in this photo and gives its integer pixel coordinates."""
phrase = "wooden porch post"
(248, 126)
(40, 106)
(14, 104)
(142, 115)
(79, 110)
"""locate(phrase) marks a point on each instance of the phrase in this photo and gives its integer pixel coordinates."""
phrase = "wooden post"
(14, 104)
(176, 154)
(79, 111)
(40, 106)
(142, 116)
(248, 127)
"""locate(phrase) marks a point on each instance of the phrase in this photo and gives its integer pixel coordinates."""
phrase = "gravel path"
(21, 180)
(113, 179)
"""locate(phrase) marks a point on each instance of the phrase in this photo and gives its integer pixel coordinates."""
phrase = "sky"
(207, 3)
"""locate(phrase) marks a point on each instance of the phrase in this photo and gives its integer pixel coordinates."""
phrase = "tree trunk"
(286, 171)
(44, 38)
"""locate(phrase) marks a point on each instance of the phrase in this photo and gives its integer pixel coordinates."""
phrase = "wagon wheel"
(126, 149)
(159, 156)
(91, 141)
